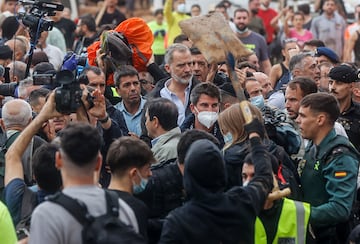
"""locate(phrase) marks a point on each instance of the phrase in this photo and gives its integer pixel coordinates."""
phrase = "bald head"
(264, 81)
(18, 47)
(16, 113)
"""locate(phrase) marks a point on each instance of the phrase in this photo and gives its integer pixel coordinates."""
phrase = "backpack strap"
(112, 203)
(75, 207)
(79, 210)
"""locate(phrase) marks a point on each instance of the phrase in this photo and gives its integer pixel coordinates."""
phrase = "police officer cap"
(330, 54)
(344, 73)
(5, 52)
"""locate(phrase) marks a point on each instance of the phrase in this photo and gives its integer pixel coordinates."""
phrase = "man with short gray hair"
(17, 71)
(304, 64)
(177, 88)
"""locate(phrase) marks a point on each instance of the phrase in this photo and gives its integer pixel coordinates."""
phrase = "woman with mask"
(173, 18)
(231, 122)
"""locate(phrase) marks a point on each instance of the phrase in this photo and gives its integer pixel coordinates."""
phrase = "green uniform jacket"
(329, 182)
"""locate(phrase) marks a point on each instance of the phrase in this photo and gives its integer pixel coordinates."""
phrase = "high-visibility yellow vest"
(114, 92)
(293, 222)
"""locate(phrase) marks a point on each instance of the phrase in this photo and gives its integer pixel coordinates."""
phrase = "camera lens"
(65, 77)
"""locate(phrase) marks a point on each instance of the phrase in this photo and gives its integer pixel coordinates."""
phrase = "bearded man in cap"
(341, 85)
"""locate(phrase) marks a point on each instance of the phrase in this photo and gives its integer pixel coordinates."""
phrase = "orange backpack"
(137, 37)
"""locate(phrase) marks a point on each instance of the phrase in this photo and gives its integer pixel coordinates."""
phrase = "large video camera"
(8, 89)
(68, 95)
(34, 17)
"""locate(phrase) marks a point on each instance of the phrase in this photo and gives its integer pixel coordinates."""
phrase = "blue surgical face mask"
(258, 101)
(141, 187)
(228, 138)
(181, 8)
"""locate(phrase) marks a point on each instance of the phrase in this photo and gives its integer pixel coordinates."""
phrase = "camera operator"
(107, 127)
(95, 78)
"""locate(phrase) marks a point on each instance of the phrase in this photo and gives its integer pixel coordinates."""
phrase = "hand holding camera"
(49, 109)
(99, 108)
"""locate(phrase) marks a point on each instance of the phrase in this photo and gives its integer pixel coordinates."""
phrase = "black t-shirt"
(67, 27)
(350, 120)
(115, 18)
(139, 208)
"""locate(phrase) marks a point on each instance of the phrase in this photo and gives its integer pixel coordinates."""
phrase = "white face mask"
(242, 31)
(245, 183)
(207, 118)
(181, 8)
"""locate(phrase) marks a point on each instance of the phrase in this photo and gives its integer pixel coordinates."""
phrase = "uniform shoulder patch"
(340, 174)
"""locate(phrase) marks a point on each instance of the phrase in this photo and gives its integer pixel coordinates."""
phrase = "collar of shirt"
(9, 133)
(322, 147)
(166, 93)
(155, 140)
(170, 93)
(352, 109)
(120, 106)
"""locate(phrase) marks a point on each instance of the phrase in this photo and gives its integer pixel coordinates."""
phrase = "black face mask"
(254, 11)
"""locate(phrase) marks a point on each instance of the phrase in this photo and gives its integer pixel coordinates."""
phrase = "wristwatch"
(103, 121)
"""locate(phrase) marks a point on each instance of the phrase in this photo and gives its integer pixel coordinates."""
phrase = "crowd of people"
(117, 130)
